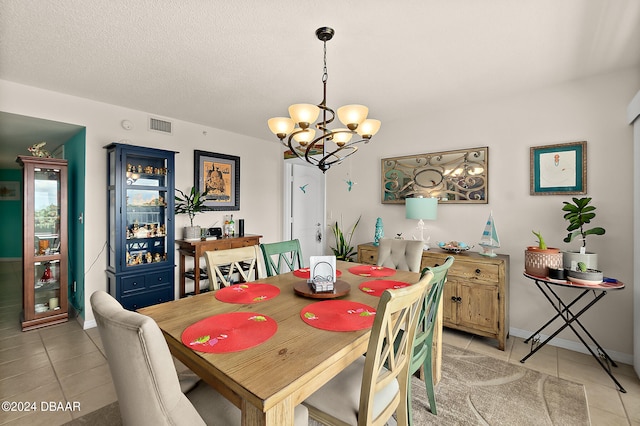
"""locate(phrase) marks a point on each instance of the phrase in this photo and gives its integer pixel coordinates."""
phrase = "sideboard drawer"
(476, 271)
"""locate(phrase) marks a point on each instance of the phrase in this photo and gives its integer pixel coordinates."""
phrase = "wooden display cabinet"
(44, 243)
(475, 298)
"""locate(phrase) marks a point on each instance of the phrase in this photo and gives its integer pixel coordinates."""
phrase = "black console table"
(570, 318)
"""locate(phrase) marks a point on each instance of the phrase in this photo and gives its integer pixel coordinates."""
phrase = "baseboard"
(574, 346)
(89, 324)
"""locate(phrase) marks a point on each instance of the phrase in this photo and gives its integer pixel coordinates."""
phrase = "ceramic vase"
(191, 232)
(538, 261)
(570, 259)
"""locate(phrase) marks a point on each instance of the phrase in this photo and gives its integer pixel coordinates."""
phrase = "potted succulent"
(539, 259)
(579, 213)
(190, 204)
(343, 249)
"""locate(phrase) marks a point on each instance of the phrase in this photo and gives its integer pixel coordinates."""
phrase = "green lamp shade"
(422, 208)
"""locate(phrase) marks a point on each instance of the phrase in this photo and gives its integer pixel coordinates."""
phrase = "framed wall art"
(454, 177)
(218, 175)
(559, 169)
(9, 190)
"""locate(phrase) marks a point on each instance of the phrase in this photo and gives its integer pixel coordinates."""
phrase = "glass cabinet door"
(146, 211)
(46, 281)
(46, 217)
(46, 212)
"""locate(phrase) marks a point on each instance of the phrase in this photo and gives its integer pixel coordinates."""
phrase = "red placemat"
(372, 271)
(247, 293)
(338, 315)
(377, 287)
(232, 332)
(304, 273)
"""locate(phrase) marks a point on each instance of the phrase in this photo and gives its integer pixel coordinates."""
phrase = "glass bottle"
(225, 227)
(232, 227)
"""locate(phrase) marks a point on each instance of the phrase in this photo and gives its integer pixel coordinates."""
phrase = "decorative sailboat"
(489, 239)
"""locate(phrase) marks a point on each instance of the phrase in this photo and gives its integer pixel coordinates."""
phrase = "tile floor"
(64, 363)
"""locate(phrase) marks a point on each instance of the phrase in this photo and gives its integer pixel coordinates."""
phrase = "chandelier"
(332, 145)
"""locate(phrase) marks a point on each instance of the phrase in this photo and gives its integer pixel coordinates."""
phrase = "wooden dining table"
(267, 381)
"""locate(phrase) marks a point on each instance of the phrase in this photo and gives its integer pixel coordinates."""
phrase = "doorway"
(305, 208)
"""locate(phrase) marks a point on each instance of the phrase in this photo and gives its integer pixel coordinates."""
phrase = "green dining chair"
(423, 340)
(288, 253)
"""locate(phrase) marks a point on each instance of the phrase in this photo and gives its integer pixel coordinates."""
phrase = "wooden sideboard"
(476, 296)
(196, 249)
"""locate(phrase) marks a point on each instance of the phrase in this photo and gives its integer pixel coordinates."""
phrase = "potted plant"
(539, 259)
(190, 204)
(579, 213)
(343, 249)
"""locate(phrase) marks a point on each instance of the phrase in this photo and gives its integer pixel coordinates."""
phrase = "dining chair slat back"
(223, 265)
(423, 340)
(405, 255)
(286, 252)
(374, 387)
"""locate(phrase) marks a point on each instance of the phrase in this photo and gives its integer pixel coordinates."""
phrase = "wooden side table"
(196, 249)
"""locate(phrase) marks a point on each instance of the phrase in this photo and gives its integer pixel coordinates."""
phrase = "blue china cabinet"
(140, 226)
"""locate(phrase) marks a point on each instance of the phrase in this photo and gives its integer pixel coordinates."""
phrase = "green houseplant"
(190, 204)
(579, 213)
(343, 249)
(539, 259)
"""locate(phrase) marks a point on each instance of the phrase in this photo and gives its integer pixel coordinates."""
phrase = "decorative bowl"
(590, 276)
(454, 246)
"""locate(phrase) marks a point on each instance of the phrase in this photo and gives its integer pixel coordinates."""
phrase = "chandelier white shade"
(330, 146)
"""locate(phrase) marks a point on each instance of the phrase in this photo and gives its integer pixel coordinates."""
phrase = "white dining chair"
(374, 387)
(145, 378)
(245, 262)
(405, 255)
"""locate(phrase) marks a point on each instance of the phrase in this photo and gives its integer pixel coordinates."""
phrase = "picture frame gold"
(559, 169)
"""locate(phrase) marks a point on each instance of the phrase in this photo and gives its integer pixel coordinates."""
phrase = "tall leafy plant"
(579, 213)
(343, 249)
(191, 203)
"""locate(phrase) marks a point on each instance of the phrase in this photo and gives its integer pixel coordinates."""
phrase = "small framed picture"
(218, 175)
(9, 190)
(559, 169)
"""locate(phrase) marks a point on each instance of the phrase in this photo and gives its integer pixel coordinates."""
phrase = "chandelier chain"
(325, 73)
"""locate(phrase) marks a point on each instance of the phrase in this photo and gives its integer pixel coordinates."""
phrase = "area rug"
(480, 390)
(475, 390)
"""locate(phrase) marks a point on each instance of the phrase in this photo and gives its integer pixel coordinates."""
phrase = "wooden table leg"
(280, 414)
(182, 277)
(196, 271)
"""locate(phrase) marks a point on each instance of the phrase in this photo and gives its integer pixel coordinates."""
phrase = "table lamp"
(422, 208)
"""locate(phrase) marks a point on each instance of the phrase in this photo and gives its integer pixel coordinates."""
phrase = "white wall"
(592, 110)
(260, 164)
(633, 115)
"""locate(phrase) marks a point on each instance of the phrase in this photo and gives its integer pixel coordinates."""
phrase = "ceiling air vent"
(162, 126)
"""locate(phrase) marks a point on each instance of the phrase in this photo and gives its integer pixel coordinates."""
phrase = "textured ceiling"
(233, 64)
